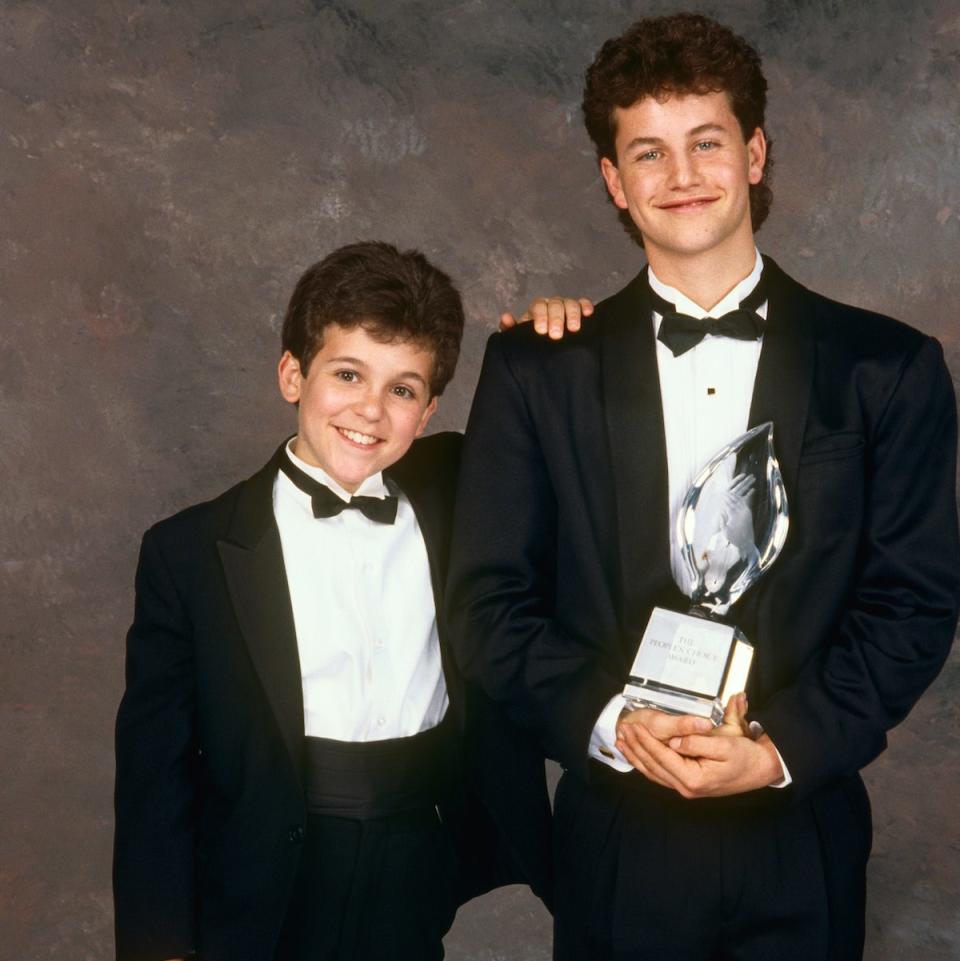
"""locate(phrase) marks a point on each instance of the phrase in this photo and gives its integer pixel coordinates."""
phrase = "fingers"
(543, 313)
(700, 745)
(664, 765)
(634, 758)
(665, 726)
(555, 315)
(734, 722)
(562, 312)
(569, 316)
(538, 312)
(633, 749)
(694, 765)
(552, 316)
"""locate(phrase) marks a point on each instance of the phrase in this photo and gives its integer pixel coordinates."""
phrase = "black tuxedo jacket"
(210, 808)
(561, 535)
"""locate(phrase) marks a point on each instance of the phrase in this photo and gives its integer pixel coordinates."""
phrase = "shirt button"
(296, 833)
(378, 642)
(381, 721)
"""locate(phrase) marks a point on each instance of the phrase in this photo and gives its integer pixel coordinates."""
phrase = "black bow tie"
(327, 504)
(680, 332)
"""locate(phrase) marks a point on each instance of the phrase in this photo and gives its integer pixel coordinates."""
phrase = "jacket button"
(296, 833)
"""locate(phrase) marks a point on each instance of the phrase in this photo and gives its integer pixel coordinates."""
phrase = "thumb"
(736, 709)
(507, 321)
(734, 717)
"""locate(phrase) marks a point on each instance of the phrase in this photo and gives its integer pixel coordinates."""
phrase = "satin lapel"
(634, 418)
(781, 392)
(252, 559)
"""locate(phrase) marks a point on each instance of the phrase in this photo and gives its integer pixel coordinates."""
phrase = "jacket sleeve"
(153, 858)
(896, 631)
(501, 588)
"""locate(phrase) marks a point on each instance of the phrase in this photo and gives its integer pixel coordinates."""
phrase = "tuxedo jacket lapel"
(634, 420)
(781, 392)
(252, 558)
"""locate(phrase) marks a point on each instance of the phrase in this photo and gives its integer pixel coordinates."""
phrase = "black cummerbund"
(374, 779)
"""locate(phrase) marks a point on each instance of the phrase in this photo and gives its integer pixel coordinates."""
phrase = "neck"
(703, 277)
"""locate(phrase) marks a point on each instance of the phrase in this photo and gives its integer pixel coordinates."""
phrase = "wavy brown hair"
(684, 53)
(395, 296)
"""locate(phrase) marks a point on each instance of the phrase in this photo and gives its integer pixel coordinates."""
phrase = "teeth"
(357, 437)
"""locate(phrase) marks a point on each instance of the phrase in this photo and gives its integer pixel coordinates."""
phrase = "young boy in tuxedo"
(672, 843)
(294, 776)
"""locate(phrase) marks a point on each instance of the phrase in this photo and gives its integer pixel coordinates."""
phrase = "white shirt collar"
(729, 301)
(372, 486)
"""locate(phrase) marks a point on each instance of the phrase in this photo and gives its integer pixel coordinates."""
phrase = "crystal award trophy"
(730, 529)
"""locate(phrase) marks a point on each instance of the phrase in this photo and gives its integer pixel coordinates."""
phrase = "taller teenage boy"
(669, 843)
(292, 719)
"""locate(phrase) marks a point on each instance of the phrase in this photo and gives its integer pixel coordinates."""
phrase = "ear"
(611, 177)
(757, 155)
(426, 415)
(289, 377)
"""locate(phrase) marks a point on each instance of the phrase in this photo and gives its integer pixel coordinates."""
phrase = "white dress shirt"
(706, 394)
(364, 614)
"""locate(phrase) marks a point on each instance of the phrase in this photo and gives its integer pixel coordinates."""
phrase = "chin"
(354, 478)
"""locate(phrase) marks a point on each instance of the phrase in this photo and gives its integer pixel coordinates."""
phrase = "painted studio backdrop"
(168, 169)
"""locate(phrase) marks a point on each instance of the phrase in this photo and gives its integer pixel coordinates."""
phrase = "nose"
(683, 171)
(369, 405)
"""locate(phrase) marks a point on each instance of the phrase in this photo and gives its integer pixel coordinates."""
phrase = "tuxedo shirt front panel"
(706, 394)
(364, 614)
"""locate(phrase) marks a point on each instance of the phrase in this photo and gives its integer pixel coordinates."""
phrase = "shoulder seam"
(907, 361)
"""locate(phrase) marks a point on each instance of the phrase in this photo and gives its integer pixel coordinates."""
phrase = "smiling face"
(362, 402)
(683, 173)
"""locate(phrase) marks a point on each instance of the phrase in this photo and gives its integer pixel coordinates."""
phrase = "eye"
(648, 155)
(347, 376)
(706, 145)
(401, 390)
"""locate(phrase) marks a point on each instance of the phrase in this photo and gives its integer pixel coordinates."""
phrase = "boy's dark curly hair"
(684, 53)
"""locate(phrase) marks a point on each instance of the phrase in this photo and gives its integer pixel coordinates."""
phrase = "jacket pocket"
(838, 445)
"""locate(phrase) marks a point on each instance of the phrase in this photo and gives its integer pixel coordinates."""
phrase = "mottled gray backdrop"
(167, 169)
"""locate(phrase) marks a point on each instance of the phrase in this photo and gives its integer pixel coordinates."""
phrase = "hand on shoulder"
(552, 316)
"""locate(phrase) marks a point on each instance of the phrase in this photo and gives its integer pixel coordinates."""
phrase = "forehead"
(385, 357)
(674, 115)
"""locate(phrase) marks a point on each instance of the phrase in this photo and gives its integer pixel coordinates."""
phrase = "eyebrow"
(411, 375)
(357, 362)
(707, 128)
(695, 132)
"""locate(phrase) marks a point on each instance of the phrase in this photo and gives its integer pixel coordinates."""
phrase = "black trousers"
(645, 875)
(381, 889)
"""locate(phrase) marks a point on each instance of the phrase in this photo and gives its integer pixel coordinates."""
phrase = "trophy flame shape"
(733, 521)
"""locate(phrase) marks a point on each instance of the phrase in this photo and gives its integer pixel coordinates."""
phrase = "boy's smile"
(362, 402)
(684, 173)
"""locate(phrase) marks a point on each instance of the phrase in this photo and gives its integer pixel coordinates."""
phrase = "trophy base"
(688, 664)
(670, 702)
